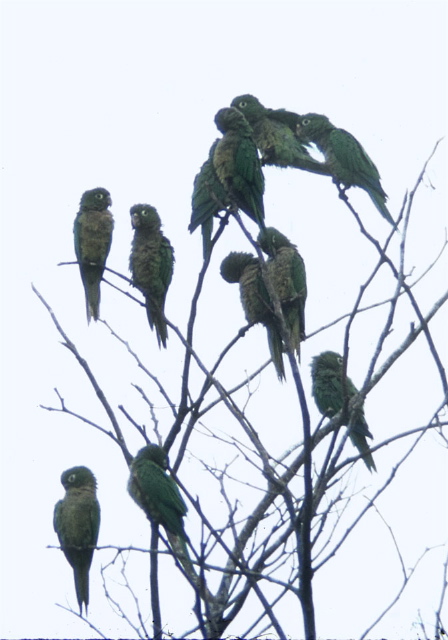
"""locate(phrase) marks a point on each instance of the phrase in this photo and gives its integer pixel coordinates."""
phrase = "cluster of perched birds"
(230, 180)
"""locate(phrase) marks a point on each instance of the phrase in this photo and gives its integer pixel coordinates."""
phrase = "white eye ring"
(72, 477)
(243, 104)
(306, 121)
(100, 196)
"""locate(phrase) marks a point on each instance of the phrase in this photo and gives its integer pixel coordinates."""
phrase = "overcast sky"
(123, 95)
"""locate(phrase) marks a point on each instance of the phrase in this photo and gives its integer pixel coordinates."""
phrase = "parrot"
(156, 492)
(77, 522)
(286, 269)
(151, 263)
(93, 237)
(238, 165)
(274, 133)
(245, 269)
(208, 199)
(348, 161)
(158, 495)
(328, 392)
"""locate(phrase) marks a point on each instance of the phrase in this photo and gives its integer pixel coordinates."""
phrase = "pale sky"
(123, 95)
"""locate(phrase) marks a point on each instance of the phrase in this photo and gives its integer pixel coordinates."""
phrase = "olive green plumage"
(328, 392)
(274, 133)
(286, 269)
(348, 161)
(237, 164)
(155, 491)
(93, 237)
(77, 522)
(208, 199)
(245, 269)
(151, 263)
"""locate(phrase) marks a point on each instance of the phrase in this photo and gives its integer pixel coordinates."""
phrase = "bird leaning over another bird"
(346, 158)
(286, 269)
(274, 133)
(93, 237)
(329, 392)
(77, 523)
(151, 263)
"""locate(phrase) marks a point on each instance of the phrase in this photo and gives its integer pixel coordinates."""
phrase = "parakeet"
(151, 263)
(155, 491)
(93, 236)
(274, 133)
(328, 392)
(237, 164)
(245, 269)
(208, 199)
(77, 523)
(348, 161)
(286, 269)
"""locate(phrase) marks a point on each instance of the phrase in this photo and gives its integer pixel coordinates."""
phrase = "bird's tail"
(379, 201)
(156, 319)
(276, 349)
(91, 278)
(358, 435)
(82, 587)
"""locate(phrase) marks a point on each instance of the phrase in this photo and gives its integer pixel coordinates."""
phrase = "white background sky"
(123, 95)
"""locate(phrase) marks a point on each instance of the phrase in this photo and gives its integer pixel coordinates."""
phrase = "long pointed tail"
(82, 587)
(379, 202)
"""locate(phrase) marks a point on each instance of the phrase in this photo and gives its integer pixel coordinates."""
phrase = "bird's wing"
(352, 155)
(166, 262)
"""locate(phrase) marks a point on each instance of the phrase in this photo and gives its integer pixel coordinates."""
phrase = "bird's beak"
(135, 220)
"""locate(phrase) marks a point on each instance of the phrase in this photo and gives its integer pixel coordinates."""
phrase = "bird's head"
(311, 125)
(145, 216)
(270, 240)
(96, 199)
(154, 453)
(250, 106)
(233, 266)
(230, 119)
(77, 477)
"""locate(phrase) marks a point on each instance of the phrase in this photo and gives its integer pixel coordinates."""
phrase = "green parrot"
(156, 492)
(245, 269)
(348, 161)
(208, 199)
(93, 237)
(237, 164)
(274, 133)
(151, 263)
(77, 522)
(328, 392)
(286, 269)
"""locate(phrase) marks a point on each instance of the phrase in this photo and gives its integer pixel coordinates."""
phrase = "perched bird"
(328, 391)
(208, 199)
(286, 269)
(274, 133)
(151, 263)
(93, 236)
(156, 492)
(237, 164)
(245, 269)
(346, 158)
(77, 523)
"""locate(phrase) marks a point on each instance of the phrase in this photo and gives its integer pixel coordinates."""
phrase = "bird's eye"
(306, 121)
(99, 196)
(243, 104)
(340, 361)
(144, 212)
(72, 477)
